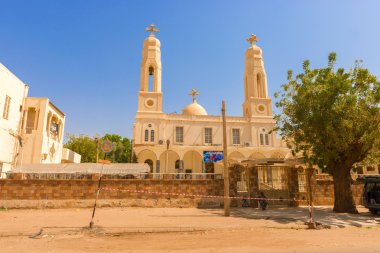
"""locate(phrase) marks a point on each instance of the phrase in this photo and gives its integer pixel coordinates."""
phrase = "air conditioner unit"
(247, 143)
(161, 142)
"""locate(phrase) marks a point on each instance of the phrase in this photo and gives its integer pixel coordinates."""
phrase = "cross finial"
(152, 30)
(252, 39)
(194, 93)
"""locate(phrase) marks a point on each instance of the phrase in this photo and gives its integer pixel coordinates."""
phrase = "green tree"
(122, 149)
(86, 147)
(83, 145)
(332, 118)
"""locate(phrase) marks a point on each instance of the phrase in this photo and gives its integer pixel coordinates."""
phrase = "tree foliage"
(86, 147)
(332, 118)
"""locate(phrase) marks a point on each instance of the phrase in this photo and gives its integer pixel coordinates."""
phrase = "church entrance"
(273, 182)
(150, 163)
(209, 168)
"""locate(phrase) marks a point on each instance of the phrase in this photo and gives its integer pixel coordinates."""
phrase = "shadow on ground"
(323, 215)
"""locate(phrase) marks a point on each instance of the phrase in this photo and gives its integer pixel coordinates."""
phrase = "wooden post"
(225, 159)
(312, 223)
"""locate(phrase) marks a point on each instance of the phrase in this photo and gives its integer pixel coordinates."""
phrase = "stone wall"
(81, 193)
(323, 192)
(43, 191)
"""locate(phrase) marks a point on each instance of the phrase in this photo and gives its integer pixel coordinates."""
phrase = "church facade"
(175, 143)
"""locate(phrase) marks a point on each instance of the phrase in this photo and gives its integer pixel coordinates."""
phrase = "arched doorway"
(192, 162)
(170, 157)
(150, 163)
(149, 157)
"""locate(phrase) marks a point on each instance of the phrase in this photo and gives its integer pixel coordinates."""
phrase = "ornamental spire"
(194, 93)
(152, 30)
(252, 39)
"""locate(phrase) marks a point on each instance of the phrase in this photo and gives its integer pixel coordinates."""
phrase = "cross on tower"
(152, 30)
(252, 39)
(194, 93)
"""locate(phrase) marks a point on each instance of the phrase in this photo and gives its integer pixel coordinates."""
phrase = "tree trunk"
(343, 199)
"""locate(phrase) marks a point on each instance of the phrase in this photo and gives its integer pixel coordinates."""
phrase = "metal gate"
(273, 182)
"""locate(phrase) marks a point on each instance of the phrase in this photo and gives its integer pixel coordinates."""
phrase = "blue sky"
(85, 55)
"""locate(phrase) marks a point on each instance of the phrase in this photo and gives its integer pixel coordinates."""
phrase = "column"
(233, 184)
(253, 185)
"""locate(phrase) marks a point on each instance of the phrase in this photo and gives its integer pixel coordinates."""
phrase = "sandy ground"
(186, 230)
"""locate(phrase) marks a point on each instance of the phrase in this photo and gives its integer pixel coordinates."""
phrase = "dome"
(152, 41)
(255, 49)
(194, 109)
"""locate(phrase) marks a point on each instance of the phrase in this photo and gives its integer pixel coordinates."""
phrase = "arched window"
(177, 164)
(146, 135)
(151, 79)
(264, 137)
(246, 88)
(151, 135)
(260, 92)
(150, 163)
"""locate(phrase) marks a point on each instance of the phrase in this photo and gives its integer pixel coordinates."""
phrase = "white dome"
(194, 109)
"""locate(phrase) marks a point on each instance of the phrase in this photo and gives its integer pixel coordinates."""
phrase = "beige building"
(31, 129)
(172, 143)
(42, 132)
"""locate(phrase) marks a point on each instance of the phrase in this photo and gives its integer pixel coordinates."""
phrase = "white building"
(31, 129)
(193, 132)
(12, 94)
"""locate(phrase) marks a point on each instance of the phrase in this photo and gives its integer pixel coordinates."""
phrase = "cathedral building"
(176, 143)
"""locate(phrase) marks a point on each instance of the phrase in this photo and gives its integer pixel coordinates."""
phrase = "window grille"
(179, 134)
(235, 136)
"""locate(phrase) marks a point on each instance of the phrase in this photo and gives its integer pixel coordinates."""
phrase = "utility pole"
(132, 150)
(97, 151)
(226, 172)
(167, 156)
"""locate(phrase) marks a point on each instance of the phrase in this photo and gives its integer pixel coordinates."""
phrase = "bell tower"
(256, 99)
(150, 94)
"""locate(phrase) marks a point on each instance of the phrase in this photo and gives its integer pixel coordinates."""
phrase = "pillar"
(253, 185)
(233, 177)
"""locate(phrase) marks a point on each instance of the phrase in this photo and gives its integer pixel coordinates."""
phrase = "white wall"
(10, 86)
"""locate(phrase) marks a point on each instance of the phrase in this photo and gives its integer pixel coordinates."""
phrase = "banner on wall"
(212, 156)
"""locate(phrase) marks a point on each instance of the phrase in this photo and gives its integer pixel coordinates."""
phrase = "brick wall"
(15, 192)
(17, 189)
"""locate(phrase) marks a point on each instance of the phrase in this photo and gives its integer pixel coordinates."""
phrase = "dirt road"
(185, 230)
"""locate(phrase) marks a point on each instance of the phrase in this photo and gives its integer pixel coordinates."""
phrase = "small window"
(146, 135)
(235, 136)
(179, 134)
(208, 135)
(7, 105)
(151, 135)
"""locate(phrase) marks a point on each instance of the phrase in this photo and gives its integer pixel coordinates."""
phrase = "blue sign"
(212, 156)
